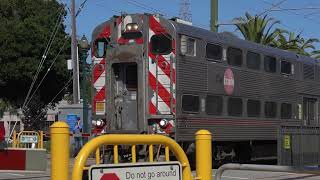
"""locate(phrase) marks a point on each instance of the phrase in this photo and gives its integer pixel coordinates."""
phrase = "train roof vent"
(308, 71)
(176, 19)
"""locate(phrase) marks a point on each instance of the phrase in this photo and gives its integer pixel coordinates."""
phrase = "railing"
(60, 152)
(258, 167)
(28, 139)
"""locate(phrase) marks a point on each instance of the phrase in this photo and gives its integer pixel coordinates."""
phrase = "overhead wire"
(48, 70)
(49, 44)
(81, 7)
(44, 56)
(63, 88)
(293, 12)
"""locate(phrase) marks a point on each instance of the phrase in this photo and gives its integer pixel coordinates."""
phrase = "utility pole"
(74, 54)
(214, 16)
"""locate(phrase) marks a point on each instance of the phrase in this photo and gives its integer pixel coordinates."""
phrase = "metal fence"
(28, 139)
(299, 146)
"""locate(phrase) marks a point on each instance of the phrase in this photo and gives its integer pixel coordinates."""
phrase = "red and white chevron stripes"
(161, 75)
(99, 77)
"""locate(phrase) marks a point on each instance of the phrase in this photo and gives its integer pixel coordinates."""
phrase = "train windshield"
(101, 45)
(161, 44)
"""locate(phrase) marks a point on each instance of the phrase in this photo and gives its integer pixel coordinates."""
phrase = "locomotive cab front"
(124, 69)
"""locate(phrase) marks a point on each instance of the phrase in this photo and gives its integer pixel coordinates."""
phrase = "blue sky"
(305, 21)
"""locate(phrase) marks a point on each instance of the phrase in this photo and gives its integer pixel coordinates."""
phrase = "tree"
(258, 29)
(291, 42)
(262, 30)
(287, 41)
(25, 28)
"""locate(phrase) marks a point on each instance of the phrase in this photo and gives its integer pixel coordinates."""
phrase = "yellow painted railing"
(60, 156)
(27, 134)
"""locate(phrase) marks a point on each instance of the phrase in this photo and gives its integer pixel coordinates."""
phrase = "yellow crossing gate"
(60, 153)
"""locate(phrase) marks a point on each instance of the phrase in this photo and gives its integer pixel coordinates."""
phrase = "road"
(252, 175)
(227, 175)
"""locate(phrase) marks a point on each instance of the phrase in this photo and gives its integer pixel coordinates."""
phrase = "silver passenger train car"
(156, 75)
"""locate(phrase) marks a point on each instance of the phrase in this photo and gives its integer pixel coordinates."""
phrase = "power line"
(63, 88)
(146, 7)
(293, 12)
(81, 7)
(44, 56)
(252, 18)
(48, 70)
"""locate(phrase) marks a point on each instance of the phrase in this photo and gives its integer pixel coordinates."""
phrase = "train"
(155, 75)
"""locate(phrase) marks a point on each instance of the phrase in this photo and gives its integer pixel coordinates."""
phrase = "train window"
(270, 109)
(161, 44)
(285, 67)
(190, 103)
(131, 77)
(270, 64)
(101, 45)
(253, 60)
(286, 111)
(214, 52)
(191, 47)
(235, 106)
(214, 105)
(253, 108)
(234, 56)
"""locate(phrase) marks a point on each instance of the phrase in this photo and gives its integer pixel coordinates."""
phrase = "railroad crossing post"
(59, 151)
(203, 155)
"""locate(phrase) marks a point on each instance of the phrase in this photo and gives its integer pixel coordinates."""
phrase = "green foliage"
(263, 30)
(258, 29)
(34, 115)
(25, 28)
(291, 42)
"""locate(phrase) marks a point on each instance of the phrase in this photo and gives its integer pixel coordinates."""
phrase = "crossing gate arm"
(269, 168)
(117, 139)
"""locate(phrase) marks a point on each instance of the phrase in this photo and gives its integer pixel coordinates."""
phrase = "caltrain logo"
(228, 81)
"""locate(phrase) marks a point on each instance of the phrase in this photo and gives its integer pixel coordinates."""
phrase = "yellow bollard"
(14, 139)
(41, 135)
(115, 154)
(59, 151)
(150, 153)
(133, 154)
(203, 155)
(98, 156)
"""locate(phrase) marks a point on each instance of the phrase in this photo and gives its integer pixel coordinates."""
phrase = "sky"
(303, 19)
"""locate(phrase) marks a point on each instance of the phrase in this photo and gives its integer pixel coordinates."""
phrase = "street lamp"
(84, 47)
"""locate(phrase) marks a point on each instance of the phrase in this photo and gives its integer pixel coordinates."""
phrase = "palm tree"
(258, 29)
(291, 42)
(287, 41)
(315, 54)
(308, 44)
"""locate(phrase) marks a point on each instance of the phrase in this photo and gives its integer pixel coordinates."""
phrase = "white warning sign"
(137, 171)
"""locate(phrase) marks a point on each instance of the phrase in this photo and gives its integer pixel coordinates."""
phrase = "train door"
(310, 111)
(125, 91)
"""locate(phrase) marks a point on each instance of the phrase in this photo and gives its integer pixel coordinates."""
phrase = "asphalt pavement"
(227, 175)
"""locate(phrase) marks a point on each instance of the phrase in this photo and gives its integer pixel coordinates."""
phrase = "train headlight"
(132, 27)
(163, 123)
(135, 27)
(100, 123)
